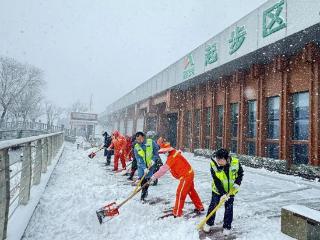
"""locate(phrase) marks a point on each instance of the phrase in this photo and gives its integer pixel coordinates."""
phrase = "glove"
(235, 189)
(146, 171)
(224, 197)
(236, 186)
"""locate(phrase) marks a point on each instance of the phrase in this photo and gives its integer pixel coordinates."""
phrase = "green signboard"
(188, 65)
(211, 55)
(272, 19)
(237, 38)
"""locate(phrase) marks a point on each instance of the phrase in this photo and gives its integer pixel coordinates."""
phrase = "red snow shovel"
(94, 153)
(112, 209)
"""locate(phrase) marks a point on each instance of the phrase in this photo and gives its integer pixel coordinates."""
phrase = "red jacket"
(119, 143)
(179, 166)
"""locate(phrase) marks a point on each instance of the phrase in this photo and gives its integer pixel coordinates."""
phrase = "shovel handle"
(201, 224)
(137, 190)
(143, 177)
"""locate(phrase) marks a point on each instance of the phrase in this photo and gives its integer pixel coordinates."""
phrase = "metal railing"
(22, 162)
(30, 126)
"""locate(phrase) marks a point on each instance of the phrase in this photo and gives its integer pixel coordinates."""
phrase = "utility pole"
(91, 103)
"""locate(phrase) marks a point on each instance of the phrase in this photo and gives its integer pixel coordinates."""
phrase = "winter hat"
(165, 147)
(116, 133)
(160, 141)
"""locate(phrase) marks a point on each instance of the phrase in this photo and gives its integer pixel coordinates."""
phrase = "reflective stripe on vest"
(221, 175)
(146, 155)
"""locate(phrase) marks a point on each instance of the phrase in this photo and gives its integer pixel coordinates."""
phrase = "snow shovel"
(203, 222)
(112, 209)
(94, 153)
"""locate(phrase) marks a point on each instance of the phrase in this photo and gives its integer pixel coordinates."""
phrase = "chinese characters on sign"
(237, 38)
(272, 19)
(211, 55)
(188, 64)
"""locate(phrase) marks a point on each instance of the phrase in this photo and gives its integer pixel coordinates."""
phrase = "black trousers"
(228, 213)
(134, 165)
(144, 191)
(108, 154)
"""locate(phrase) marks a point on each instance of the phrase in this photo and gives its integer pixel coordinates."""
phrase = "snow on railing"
(30, 126)
(22, 162)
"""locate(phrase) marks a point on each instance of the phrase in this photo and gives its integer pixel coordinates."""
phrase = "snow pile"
(304, 211)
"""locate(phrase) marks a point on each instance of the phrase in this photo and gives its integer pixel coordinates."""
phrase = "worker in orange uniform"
(182, 170)
(129, 151)
(119, 144)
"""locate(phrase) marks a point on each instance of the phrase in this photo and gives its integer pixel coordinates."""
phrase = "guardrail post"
(4, 192)
(37, 164)
(61, 139)
(49, 150)
(25, 180)
(44, 158)
(55, 147)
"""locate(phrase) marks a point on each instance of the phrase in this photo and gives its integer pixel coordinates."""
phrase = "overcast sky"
(108, 47)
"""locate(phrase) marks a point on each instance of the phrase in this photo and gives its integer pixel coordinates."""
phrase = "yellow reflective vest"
(227, 183)
(145, 155)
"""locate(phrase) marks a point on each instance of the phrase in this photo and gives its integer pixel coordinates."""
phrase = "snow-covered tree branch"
(20, 90)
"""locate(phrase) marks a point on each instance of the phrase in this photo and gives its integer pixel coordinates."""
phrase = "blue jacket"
(140, 161)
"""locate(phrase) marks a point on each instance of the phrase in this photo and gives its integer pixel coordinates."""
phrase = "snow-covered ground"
(80, 185)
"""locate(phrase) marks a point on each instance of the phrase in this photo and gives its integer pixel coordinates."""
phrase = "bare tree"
(18, 83)
(27, 106)
(52, 113)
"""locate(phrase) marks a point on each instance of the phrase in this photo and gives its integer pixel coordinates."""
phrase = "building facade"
(254, 89)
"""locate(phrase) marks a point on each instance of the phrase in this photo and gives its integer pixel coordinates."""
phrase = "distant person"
(134, 165)
(119, 145)
(107, 143)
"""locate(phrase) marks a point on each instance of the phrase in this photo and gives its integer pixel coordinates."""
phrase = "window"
(219, 143)
(252, 127)
(207, 128)
(219, 125)
(151, 124)
(234, 126)
(251, 148)
(252, 119)
(187, 125)
(301, 116)
(300, 105)
(208, 122)
(273, 150)
(273, 117)
(273, 127)
(300, 154)
(207, 143)
(197, 129)
(234, 145)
